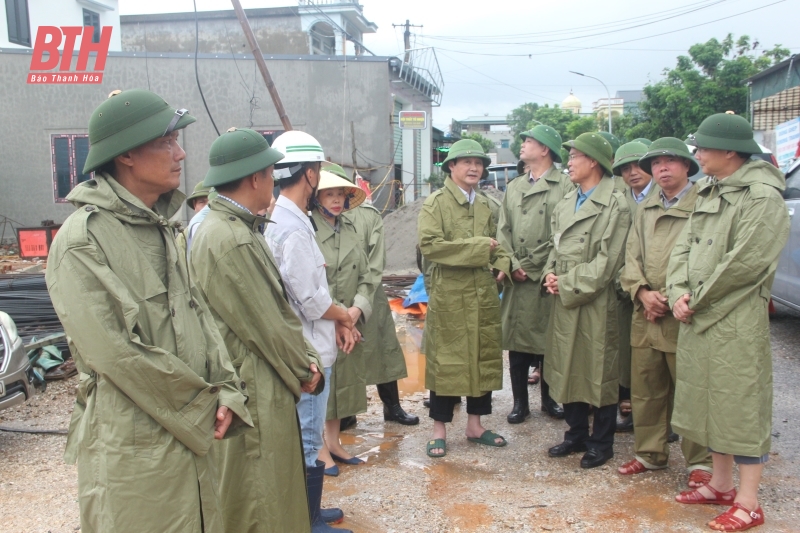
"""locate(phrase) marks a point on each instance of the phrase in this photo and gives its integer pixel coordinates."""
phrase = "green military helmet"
(128, 119)
(595, 146)
(646, 142)
(200, 191)
(548, 137)
(668, 146)
(630, 152)
(236, 154)
(333, 168)
(467, 148)
(612, 139)
(725, 131)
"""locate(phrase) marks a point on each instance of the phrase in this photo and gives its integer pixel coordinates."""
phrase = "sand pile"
(400, 230)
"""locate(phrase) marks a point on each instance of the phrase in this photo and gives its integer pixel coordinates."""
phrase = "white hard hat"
(297, 147)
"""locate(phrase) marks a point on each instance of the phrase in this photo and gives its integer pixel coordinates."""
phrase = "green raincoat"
(587, 252)
(262, 473)
(351, 285)
(726, 259)
(153, 366)
(650, 242)
(383, 356)
(625, 307)
(463, 327)
(525, 229)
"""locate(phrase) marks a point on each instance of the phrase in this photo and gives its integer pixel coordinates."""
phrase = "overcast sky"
(483, 47)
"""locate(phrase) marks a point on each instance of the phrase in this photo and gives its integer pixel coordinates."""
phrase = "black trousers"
(389, 393)
(525, 361)
(442, 406)
(576, 415)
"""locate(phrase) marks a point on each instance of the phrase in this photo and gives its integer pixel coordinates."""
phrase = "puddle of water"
(350, 439)
(410, 336)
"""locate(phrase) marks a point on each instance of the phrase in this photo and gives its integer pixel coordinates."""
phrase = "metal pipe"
(608, 95)
(262, 65)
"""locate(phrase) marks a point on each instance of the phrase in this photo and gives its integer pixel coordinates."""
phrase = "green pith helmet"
(467, 148)
(668, 146)
(548, 137)
(337, 170)
(236, 154)
(200, 191)
(630, 152)
(594, 146)
(128, 119)
(612, 139)
(646, 142)
(725, 131)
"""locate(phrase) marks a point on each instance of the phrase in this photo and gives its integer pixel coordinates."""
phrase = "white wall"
(65, 13)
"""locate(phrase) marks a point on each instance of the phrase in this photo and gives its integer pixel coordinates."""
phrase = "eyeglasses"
(174, 122)
(573, 156)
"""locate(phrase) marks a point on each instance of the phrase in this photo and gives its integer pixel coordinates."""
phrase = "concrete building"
(21, 18)
(495, 128)
(631, 101)
(322, 95)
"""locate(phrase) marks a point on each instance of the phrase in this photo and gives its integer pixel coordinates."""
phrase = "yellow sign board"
(413, 120)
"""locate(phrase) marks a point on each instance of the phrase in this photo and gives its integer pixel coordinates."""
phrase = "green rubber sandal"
(487, 438)
(436, 443)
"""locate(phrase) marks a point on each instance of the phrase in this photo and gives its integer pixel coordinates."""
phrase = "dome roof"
(571, 101)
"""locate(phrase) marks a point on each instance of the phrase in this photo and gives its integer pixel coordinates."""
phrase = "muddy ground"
(473, 489)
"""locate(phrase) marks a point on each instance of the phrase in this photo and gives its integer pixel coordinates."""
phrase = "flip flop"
(436, 443)
(487, 438)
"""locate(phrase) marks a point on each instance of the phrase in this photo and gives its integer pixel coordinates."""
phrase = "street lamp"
(608, 94)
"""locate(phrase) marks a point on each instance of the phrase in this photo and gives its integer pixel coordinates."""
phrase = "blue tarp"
(417, 294)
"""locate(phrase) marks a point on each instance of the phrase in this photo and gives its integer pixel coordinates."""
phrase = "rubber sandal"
(488, 438)
(695, 496)
(698, 477)
(436, 443)
(534, 377)
(728, 521)
(632, 467)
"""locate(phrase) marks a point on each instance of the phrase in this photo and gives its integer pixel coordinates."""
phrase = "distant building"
(495, 128)
(20, 19)
(775, 105)
(571, 103)
(631, 101)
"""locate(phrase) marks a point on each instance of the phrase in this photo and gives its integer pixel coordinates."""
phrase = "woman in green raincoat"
(350, 285)
(719, 279)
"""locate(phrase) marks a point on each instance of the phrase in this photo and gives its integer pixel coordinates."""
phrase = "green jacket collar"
(456, 191)
(227, 208)
(750, 173)
(685, 205)
(106, 193)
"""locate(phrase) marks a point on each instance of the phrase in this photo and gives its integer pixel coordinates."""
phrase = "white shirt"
(191, 229)
(469, 195)
(302, 268)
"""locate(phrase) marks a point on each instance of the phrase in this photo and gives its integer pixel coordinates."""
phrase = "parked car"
(16, 374)
(786, 288)
(499, 176)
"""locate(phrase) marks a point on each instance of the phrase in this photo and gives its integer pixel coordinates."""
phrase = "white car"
(16, 373)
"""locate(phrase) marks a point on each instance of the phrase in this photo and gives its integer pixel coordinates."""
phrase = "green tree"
(580, 125)
(709, 80)
(488, 146)
(528, 115)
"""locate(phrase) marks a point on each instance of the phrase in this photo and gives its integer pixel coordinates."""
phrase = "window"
(90, 18)
(69, 156)
(505, 143)
(19, 26)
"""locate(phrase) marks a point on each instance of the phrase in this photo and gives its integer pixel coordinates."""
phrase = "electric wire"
(196, 73)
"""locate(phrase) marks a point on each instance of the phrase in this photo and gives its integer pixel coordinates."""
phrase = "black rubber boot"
(549, 405)
(519, 387)
(392, 411)
(315, 478)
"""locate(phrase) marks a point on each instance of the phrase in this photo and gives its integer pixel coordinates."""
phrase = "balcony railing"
(419, 68)
(325, 2)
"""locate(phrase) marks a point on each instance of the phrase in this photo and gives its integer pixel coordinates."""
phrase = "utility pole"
(407, 35)
(262, 65)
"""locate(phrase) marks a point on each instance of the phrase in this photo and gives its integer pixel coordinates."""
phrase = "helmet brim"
(241, 168)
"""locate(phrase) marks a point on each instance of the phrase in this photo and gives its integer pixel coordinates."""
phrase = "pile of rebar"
(26, 300)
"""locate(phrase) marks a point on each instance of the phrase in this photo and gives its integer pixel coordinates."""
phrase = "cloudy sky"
(495, 56)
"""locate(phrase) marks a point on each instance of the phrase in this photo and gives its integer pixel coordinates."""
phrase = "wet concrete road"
(519, 488)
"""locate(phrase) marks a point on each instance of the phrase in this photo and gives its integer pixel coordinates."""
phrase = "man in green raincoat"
(156, 384)
(196, 202)
(463, 326)
(262, 472)
(656, 227)
(636, 185)
(589, 228)
(383, 357)
(525, 230)
(719, 280)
